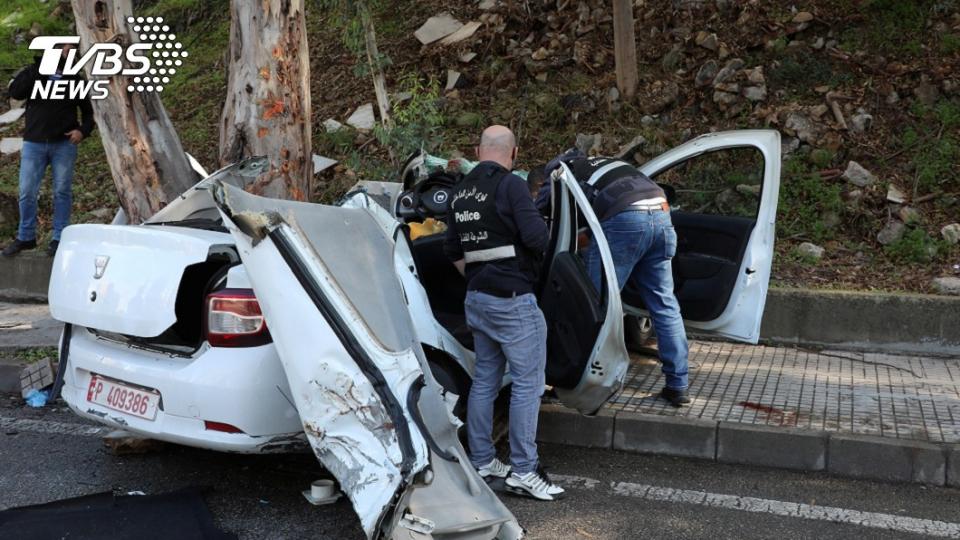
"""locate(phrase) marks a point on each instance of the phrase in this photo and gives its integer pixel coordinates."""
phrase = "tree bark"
(373, 60)
(625, 47)
(267, 111)
(146, 158)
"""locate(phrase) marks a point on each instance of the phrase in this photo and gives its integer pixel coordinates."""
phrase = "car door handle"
(751, 271)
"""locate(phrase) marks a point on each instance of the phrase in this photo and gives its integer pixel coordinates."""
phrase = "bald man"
(496, 238)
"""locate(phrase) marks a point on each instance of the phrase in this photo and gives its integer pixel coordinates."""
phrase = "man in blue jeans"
(496, 238)
(50, 138)
(635, 218)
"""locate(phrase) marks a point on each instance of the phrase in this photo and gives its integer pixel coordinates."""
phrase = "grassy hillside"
(891, 68)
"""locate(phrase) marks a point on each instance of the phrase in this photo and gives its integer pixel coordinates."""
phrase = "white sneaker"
(494, 469)
(534, 484)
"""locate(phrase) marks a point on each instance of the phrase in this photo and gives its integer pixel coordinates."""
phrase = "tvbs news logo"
(147, 65)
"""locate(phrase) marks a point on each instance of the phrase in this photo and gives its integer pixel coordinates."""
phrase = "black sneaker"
(52, 248)
(677, 398)
(17, 246)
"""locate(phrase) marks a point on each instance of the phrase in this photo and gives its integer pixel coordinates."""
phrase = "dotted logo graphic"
(167, 54)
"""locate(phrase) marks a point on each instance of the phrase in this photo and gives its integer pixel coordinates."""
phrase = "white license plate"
(120, 397)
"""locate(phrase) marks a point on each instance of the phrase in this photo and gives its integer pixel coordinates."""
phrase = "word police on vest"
(466, 216)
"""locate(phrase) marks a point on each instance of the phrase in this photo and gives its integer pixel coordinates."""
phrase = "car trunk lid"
(125, 279)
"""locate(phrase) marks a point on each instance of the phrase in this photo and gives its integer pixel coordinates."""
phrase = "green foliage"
(804, 201)
(347, 16)
(916, 246)
(821, 158)
(950, 43)
(936, 148)
(16, 17)
(892, 26)
(418, 122)
(30, 356)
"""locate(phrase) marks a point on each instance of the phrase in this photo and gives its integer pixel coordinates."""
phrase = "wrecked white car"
(237, 323)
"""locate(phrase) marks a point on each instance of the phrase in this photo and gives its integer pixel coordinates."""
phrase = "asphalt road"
(608, 495)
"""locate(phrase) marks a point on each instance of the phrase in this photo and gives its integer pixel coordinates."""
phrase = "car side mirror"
(670, 192)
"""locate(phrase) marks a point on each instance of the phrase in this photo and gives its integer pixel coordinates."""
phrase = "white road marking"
(873, 520)
(47, 426)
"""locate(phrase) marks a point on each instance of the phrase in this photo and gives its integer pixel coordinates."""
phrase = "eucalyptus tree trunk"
(373, 61)
(146, 158)
(267, 110)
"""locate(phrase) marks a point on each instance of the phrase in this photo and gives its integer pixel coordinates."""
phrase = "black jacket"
(522, 221)
(48, 120)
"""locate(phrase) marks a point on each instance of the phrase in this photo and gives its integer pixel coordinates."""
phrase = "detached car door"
(371, 410)
(724, 211)
(586, 357)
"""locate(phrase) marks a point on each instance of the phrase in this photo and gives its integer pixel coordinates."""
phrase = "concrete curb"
(874, 322)
(841, 454)
(26, 276)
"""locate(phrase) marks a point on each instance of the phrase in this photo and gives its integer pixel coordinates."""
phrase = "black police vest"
(483, 235)
(612, 185)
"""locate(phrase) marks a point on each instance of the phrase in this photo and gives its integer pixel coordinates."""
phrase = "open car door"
(586, 357)
(724, 212)
(374, 415)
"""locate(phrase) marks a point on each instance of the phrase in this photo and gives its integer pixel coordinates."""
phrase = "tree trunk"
(148, 164)
(625, 47)
(373, 60)
(267, 111)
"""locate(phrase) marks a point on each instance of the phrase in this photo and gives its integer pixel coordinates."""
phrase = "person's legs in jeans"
(487, 376)
(63, 156)
(624, 236)
(33, 163)
(527, 358)
(654, 277)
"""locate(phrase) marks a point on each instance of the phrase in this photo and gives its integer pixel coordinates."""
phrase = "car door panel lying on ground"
(371, 410)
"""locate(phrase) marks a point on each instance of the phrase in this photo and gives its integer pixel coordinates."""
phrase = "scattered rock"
(727, 200)
(891, 232)
(789, 145)
(647, 121)
(861, 122)
(659, 96)
(909, 215)
(363, 118)
(589, 144)
(671, 60)
(331, 125)
(321, 163)
(811, 251)
(11, 116)
(927, 93)
(818, 44)
(854, 196)
(437, 27)
(947, 285)
(729, 70)
(707, 41)
(749, 189)
(10, 145)
(453, 79)
(464, 32)
(755, 76)
(755, 93)
(858, 176)
(103, 214)
(951, 233)
(803, 17)
(487, 5)
(725, 99)
(540, 54)
(467, 57)
(893, 98)
(706, 74)
(895, 196)
(36, 30)
(631, 147)
(400, 97)
(802, 127)
(819, 110)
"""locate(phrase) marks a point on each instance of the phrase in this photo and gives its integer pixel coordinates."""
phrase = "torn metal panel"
(326, 281)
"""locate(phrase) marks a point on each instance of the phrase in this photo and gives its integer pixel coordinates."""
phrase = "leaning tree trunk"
(267, 111)
(625, 47)
(148, 164)
(373, 61)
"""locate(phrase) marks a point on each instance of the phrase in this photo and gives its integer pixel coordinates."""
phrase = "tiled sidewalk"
(904, 397)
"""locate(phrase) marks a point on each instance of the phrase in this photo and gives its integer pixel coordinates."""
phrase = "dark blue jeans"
(642, 244)
(34, 159)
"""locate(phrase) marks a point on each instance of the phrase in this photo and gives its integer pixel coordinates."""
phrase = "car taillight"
(234, 319)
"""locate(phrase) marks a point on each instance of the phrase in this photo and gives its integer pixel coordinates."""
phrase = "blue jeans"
(506, 332)
(642, 244)
(34, 158)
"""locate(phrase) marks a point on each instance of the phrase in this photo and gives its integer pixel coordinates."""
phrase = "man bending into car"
(496, 238)
(635, 218)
